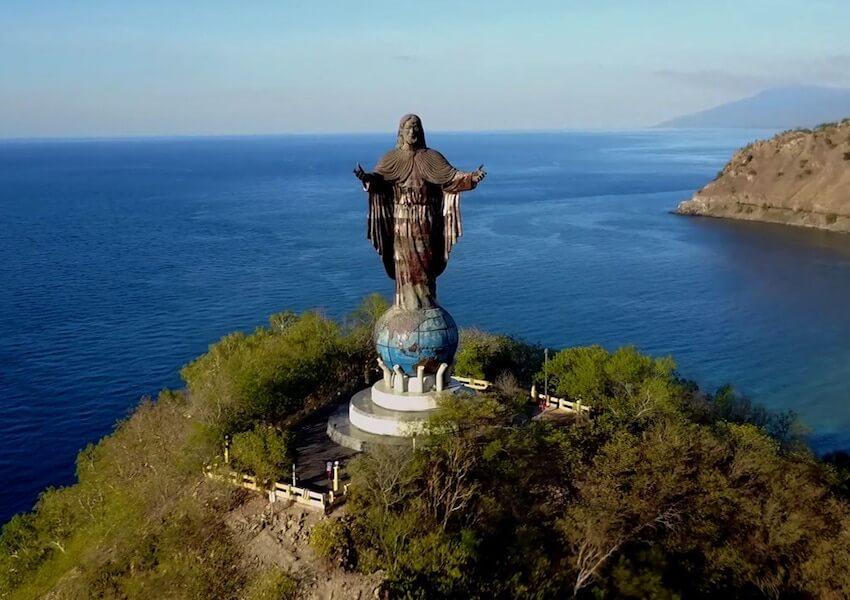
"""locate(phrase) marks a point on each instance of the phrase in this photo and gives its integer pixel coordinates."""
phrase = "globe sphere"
(412, 338)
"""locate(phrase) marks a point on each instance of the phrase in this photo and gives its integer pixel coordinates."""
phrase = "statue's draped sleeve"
(397, 166)
(379, 223)
(452, 222)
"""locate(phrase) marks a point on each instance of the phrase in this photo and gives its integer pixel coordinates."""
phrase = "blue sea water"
(122, 260)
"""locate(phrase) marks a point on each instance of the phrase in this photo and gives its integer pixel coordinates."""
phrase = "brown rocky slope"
(799, 177)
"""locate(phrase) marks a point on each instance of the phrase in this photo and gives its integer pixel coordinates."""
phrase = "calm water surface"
(122, 260)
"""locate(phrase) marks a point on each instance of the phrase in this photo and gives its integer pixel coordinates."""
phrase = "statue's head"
(411, 135)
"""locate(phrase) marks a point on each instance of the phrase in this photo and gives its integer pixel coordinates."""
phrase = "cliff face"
(796, 178)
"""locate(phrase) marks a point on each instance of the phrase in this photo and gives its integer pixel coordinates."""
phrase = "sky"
(79, 68)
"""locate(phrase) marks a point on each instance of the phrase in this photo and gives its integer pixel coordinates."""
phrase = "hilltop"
(799, 177)
(661, 490)
(776, 108)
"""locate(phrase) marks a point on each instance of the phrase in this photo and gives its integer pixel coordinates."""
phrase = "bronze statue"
(414, 213)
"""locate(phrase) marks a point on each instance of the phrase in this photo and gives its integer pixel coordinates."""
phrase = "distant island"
(799, 177)
(776, 108)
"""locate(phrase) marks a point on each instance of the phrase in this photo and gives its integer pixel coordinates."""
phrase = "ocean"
(121, 260)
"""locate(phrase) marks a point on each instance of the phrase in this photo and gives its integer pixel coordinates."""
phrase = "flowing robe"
(414, 219)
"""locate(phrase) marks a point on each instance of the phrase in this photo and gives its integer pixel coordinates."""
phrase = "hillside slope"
(795, 178)
(776, 108)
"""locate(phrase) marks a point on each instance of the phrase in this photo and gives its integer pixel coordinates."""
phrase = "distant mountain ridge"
(777, 108)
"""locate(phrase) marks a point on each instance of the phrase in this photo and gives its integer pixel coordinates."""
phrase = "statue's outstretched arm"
(367, 179)
(464, 181)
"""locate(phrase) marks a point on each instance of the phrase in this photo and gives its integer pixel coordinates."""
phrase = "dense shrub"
(331, 541)
(272, 584)
(487, 356)
(265, 451)
(141, 522)
(267, 375)
(136, 525)
(667, 493)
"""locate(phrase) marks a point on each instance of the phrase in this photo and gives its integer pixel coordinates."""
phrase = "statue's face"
(411, 132)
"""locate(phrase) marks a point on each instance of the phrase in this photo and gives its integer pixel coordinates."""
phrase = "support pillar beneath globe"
(416, 349)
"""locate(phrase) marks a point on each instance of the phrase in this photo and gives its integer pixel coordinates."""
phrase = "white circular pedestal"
(377, 413)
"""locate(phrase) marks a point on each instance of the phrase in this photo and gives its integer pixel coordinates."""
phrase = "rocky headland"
(799, 177)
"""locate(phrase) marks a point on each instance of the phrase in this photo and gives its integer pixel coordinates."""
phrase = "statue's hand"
(479, 174)
(360, 173)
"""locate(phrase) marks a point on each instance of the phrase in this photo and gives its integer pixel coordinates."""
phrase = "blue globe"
(410, 338)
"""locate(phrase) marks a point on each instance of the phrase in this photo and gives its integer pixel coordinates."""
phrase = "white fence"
(475, 384)
(561, 403)
(279, 491)
(576, 407)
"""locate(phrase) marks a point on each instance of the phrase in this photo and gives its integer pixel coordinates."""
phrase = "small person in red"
(329, 469)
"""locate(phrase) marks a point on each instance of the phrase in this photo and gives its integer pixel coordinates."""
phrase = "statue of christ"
(414, 213)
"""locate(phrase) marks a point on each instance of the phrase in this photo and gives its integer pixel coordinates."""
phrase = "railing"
(576, 407)
(561, 403)
(475, 384)
(280, 491)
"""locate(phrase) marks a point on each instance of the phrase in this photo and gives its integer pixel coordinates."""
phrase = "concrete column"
(398, 380)
(441, 377)
(336, 475)
(388, 374)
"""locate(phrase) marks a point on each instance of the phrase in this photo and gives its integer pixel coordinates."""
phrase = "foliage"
(264, 451)
(141, 522)
(361, 327)
(268, 375)
(483, 355)
(625, 386)
(272, 584)
(667, 493)
(330, 540)
(136, 525)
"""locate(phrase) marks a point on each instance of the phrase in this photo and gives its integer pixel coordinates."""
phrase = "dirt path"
(277, 535)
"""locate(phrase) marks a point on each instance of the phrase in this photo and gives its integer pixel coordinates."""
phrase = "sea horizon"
(389, 133)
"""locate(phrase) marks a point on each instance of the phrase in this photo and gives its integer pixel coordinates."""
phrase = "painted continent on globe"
(413, 338)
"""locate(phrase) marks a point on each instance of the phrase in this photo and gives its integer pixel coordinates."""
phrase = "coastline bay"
(123, 260)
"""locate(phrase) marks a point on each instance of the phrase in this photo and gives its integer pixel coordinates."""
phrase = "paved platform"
(314, 448)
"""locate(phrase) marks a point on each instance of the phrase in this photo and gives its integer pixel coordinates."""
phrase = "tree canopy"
(665, 492)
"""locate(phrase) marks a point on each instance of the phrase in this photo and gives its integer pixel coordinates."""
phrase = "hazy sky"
(105, 68)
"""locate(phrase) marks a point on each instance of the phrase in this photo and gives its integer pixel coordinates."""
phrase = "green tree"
(487, 356)
(265, 451)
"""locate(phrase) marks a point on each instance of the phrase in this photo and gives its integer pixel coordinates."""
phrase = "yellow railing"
(577, 407)
(475, 384)
(279, 491)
